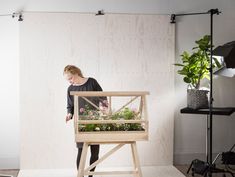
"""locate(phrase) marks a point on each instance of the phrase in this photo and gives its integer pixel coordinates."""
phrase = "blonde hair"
(73, 70)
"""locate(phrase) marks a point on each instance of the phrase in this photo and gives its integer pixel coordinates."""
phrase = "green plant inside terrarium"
(125, 114)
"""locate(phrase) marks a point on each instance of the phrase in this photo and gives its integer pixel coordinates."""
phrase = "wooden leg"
(83, 160)
(136, 159)
(82, 171)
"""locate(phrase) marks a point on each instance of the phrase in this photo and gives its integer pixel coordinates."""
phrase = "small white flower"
(97, 128)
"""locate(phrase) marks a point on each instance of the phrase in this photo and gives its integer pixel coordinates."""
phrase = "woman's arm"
(70, 106)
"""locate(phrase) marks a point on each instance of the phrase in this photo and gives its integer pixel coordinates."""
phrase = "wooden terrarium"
(110, 116)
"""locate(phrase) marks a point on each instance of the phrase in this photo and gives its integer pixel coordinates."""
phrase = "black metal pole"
(210, 118)
(200, 13)
(210, 129)
(173, 16)
(211, 96)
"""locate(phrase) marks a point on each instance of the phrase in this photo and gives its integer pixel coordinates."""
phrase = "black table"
(215, 111)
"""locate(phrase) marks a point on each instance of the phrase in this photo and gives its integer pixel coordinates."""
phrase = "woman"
(80, 83)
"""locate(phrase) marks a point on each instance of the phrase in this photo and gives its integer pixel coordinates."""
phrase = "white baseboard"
(148, 171)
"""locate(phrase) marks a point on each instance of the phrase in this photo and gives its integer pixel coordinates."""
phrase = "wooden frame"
(110, 137)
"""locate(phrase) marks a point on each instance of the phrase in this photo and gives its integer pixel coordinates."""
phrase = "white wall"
(9, 93)
(187, 30)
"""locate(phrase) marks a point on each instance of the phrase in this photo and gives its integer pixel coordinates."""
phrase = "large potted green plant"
(194, 68)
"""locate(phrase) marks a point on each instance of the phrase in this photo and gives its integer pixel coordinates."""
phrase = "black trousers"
(94, 155)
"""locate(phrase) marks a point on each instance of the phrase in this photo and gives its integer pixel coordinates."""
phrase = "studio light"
(227, 52)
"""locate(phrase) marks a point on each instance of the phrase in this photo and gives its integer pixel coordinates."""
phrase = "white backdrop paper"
(123, 52)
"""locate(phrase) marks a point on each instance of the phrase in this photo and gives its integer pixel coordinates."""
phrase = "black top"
(215, 111)
(90, 85)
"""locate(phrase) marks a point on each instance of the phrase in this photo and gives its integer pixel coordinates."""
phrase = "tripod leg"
(232, 148)
(193, 171)
(190, 167)
(232, 174)
(229, 172)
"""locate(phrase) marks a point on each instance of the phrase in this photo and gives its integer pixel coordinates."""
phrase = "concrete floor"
(182, 168)
(154, 171)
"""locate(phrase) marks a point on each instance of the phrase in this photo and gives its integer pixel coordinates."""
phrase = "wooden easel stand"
(86, 171)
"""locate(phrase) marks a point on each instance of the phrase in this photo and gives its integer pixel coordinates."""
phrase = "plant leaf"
(217, 62)
(187, 80)
(178, 64)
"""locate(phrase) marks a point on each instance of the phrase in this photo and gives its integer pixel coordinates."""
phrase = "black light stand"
(200, 167)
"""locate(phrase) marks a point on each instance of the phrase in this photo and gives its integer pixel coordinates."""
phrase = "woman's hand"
(68, 117)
